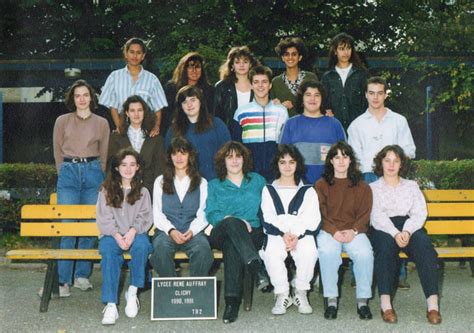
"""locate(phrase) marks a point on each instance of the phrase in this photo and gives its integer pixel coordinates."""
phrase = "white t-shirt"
(343, 73)
(242, 97)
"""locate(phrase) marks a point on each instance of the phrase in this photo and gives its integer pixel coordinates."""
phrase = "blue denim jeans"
(361, 254)
(197, 249)
(78, 183)
(112, 261)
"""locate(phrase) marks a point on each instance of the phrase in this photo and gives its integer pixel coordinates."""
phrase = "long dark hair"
(227, 149)
(180, 120)
(295, 154)
(149, 118)
(353, 174)
(347, 40)
(180, 75)
(180, 144)
(226, 72)
(113, 182)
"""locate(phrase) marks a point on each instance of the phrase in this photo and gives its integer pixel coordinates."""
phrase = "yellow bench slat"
(451, 209)
(450, 227)
(60, 229)
(449, 195)
(51, 212)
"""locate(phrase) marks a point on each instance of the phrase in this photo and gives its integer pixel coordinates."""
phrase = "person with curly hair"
(124, 217)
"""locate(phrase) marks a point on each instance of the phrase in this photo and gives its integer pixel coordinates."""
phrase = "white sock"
(110, 304)
(132, 290)
(432, 303)
(385, 302)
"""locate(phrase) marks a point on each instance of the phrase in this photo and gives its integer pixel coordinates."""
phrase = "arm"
(104, 217)
(405, 139)
(418, 211)
(378, 218)
(200, 222)
(364, 207)
(223, 133)
(58, 133)
(159, 219)
(156, 129)
(104, 143)
(235, 130)
(355, 141)
(108, 98)
(116, 118)
(214, 214)
(143, 220)
(323, 195)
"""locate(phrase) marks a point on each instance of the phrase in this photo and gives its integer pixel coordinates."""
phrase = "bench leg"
(248, 289)
(51, 276)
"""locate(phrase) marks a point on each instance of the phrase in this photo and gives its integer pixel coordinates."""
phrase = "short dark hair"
(261, 70)
(353, 173)
(397, 150)
(376, 80)
(69, 98)
(282, 151)
(181, 122)
(301, 91)
(149, 118)
(287, 42)
(134, 40)
(343, 39)
(227, 149)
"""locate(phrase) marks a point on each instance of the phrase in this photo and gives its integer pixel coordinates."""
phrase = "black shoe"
(261, 279)
(331, 312)
(231, 313)
(364, 312)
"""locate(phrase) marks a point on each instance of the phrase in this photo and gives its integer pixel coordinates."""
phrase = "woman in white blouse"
(398, 215)
(178, 213)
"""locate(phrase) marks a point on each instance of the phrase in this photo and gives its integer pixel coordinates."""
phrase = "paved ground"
(19, 309)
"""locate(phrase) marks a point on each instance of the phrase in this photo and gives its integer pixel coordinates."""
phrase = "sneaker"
(283, 302)
(300, 299)
(64, 291)
(82, 283)
(133, 304)
(403, 284)
(110, 314)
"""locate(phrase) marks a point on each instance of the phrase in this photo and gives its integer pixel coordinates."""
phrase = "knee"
(141, 245)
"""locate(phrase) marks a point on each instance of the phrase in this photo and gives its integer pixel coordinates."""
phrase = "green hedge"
(444, 174)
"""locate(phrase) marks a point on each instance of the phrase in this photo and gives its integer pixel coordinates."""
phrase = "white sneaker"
(133, 304)
(82, 283)
(300, 299)
(283, 302)
(64, 291)
(110, 314)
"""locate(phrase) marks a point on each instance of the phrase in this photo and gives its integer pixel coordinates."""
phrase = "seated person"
(178, 213)
(345, 201)
(123, 217)
(291, 215)
(398, 216)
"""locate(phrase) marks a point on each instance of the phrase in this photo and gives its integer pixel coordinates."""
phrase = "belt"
(80, 159)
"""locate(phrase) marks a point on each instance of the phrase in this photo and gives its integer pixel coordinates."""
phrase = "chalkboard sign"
(187, 298)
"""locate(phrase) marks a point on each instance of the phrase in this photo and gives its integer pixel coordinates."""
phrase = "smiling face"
(391, 164)
(261, 86)
(291, 57)
(341, 164)
(234, 163)
(287, 166)
(191, 106)
(134, 55)
(312, 102)
(180, 160)
(241, 66)
(343, 54)
(376, 96)
(127, 169)
(82, 98)
(135, 113)
(194, 71)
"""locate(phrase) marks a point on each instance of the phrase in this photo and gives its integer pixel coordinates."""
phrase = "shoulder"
(214, 183)
(203, 182)
(278, 107)
(310, 76)
(150, 74)
(321, 183)
(397, 116)
(377, 185)
(257, 178)
(328, 73)
(277, 79)
(410, 183)
(63, 118)
(218, 123)
(100, 120)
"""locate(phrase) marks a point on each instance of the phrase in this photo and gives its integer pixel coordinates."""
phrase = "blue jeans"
(112, 261)
(359, 250)
(197, 249)
(78, 184)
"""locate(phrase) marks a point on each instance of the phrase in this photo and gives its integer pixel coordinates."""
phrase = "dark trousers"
(419, 249)
(239, 247)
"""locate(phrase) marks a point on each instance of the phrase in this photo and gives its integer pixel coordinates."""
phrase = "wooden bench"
(450, 212)
(46, 228)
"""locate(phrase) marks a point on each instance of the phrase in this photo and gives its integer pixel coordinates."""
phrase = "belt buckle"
(76, 160)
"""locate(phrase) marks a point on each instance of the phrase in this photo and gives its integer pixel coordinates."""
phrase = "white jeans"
(305, 256)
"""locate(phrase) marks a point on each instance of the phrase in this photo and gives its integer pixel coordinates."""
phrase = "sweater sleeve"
(214, 214)
(309, 216)
(104, 142)
(364, 207)
(418, 212)
(378, 217)
(322, 190)
(143, 220)
(104, 216)
(58, 134)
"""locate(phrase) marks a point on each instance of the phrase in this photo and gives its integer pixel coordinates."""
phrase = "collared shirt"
(368, 136)
(181, 186)
(119, 86)
(136, 138)
(404, 199)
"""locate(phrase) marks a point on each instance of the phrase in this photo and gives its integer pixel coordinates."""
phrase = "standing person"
(285, 86)
(234, 88)
(178, 213)
(123, 217)
(258, 124)
(345, 201)
(137, 122)
(232, 208)
(133, 80)
(345, 80)
(398, 216)
(80, 141)
(189, 71)
(313, 132)
(291, 216)
(206, 133)
(376, 128)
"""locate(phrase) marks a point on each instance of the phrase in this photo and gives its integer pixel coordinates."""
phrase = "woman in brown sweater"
(345, 201)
